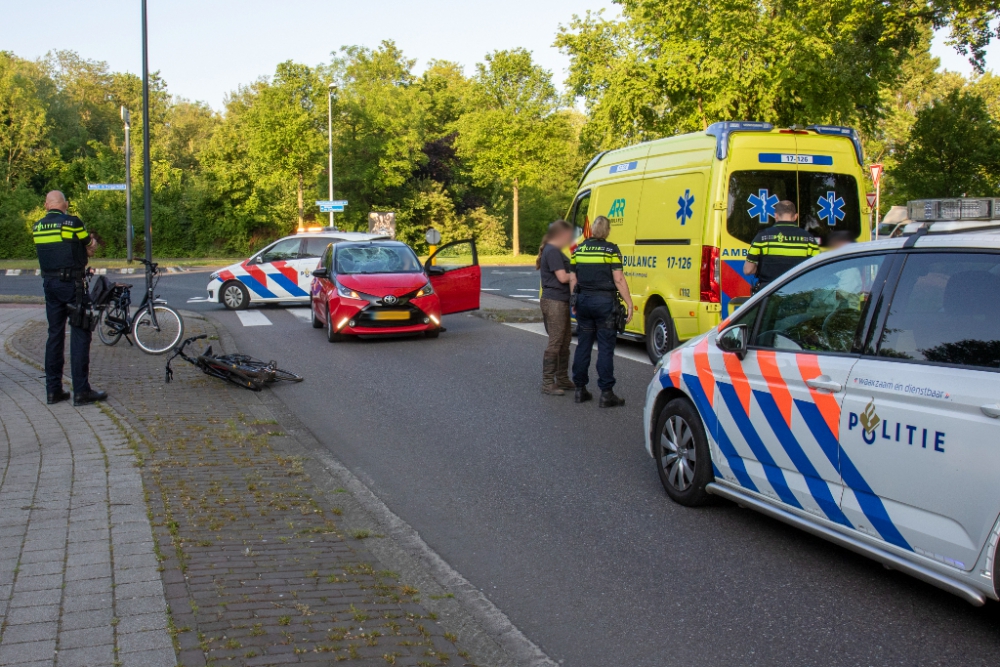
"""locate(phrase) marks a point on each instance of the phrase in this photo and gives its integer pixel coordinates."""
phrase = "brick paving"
(257, 567)
(77, 561)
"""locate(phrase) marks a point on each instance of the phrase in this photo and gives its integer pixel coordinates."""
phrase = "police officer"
(779, 247)
(596, 279)
(64, 246)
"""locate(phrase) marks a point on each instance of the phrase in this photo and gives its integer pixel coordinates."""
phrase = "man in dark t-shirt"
(554, 267)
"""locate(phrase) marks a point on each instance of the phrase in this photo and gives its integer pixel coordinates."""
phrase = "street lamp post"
(127, 119)
(329, 133)
(146, 203)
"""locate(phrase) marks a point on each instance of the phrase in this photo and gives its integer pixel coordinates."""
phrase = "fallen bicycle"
(239, 369)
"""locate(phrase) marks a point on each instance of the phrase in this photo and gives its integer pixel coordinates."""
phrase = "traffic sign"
(433, 236)
(327, 207)
(871, 197)
(106, 186)
(332, 202)
(876, 172)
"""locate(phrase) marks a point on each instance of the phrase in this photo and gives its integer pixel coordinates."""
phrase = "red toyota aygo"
(379, 287)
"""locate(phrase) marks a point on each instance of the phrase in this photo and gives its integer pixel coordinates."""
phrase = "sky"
(207, 48)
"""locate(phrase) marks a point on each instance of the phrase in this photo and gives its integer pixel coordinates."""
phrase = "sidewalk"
(260, 564)
(79, 580)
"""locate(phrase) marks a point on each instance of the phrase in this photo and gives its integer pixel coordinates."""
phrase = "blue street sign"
(336, 202)
(326, 207)
(105, 186)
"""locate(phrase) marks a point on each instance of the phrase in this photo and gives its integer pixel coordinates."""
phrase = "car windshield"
(826, 202)
(377, 259)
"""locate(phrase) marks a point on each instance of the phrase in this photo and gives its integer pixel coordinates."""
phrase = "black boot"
(582, 395)
(609, 400)
(58, 397)
(549, 385)
(89, 396)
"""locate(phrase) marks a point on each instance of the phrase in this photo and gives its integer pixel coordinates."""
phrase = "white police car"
(857, 398)
(280, 272)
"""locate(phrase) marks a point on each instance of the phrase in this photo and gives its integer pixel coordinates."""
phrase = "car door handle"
(991, 410)
(824, 382)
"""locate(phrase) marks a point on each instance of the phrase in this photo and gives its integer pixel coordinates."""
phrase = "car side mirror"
(435, 271)
(321, 272)
(733, 339)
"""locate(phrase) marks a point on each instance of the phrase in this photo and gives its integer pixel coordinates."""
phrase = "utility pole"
(329, 134)
(127, 119)
(146, 177)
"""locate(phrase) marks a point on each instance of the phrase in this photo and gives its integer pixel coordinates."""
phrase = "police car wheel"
(659, 333)
(234, 296)
(681, 452)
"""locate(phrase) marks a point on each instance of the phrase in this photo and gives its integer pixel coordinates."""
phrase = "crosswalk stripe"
(253, 318)
(623, 352)
(304, 314)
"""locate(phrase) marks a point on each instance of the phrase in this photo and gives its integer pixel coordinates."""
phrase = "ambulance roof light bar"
(957, 209)
(841, 131)
(722, 130)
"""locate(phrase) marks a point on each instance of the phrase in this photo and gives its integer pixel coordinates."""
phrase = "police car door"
(313, 248)
(921, 413)
(272, 274)
(781, 406)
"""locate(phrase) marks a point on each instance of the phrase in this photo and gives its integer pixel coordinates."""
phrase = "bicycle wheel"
(281, 375)
(107, 332)
(161, 338)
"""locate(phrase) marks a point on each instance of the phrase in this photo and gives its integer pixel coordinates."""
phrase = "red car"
(380, 287)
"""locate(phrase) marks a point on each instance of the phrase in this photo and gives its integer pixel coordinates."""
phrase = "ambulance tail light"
(711, 268)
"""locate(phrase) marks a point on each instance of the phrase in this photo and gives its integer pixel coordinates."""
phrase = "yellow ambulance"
(684, 210)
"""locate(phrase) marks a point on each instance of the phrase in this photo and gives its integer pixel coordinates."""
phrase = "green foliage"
(953, 149)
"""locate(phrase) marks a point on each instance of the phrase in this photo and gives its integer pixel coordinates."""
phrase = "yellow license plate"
(390, 315)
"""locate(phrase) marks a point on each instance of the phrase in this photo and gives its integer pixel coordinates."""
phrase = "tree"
(516, 134)
(953, 150)
(24, 144)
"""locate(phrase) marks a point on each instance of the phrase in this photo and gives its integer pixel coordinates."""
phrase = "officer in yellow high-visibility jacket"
(64, 247)
(779, 247)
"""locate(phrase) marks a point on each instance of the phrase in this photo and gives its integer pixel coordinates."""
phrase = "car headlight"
(426, 290)
(348, 293)
(214, 276)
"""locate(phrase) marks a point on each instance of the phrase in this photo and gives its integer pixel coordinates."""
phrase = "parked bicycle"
(239, 369)
(155, 327)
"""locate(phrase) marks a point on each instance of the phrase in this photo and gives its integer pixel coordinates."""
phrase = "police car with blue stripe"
(281, 272)
(857, 398)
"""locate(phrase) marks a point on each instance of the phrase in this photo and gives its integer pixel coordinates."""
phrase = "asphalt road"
(555, 511)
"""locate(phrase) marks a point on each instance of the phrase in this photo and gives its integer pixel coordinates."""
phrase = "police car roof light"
(722, 130)
(840, 130)
(953, 209)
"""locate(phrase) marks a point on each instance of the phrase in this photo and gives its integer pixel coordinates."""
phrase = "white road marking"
(520, 296)
(490, 289)
(253, 318)
(527, 289)
(535, 300)
(624, 353)
(13, 272)
(198, 299)
(304, 314)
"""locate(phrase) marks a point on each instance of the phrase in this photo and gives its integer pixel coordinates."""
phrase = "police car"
(280, 272)
(857, 398)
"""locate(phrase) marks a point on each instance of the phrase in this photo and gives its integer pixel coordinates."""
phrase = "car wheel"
(234, 296)
(315, 320)
(432, 333)
(660, 337)
(681, 452)
(331, 335)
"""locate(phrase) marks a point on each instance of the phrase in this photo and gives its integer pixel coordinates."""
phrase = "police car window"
(376, 259)
(316, 246)
(946, 309)
(826, 202)
(821, 310)
(282, 251)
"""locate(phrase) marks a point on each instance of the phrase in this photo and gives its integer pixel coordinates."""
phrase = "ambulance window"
(821, 310)
(946, 310)
(752, 196)
(579, 215)
(829, 203)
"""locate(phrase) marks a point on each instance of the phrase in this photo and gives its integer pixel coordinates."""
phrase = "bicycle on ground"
(239, 369)
(155, 327)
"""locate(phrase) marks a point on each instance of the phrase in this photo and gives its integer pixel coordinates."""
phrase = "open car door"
(455, 275)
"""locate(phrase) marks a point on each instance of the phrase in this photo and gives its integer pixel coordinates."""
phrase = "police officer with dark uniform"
(64, 246)
(780, 247)
(596, 279)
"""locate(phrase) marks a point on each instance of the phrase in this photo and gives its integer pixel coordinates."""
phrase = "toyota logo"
(389, 300)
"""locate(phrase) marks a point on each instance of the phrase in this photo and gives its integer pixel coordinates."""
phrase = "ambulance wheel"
(681, 452)
(660, 337)
(234, 296)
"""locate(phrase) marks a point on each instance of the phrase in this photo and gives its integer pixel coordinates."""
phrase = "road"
(555, 511)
